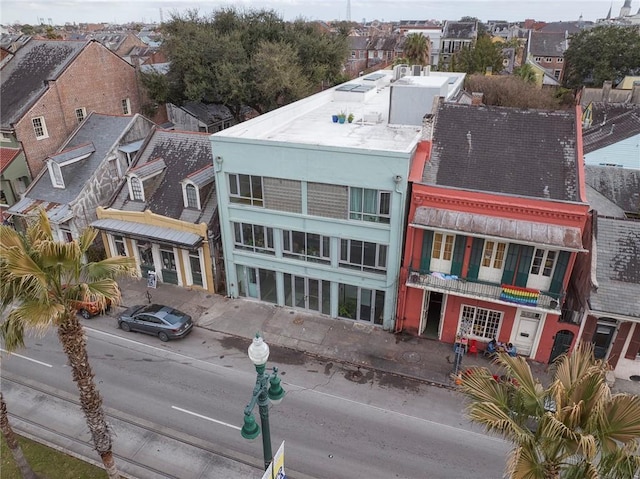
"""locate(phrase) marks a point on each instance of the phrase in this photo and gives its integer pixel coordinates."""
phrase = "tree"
(40, 277)
(480, 57)
(417, 49)
(526, 73)
(14, 445)
(212, 59)
(511, 91)
(574, 428)
(600, 54)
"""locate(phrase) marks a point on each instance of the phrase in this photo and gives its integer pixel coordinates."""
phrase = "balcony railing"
(512, 295)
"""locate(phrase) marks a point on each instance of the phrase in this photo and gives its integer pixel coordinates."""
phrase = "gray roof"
(102, 131)
(203, 176)
(144, 231)
(611, 124)
(554, 236)
(357, 42)
(25, 76)
(609, 95)
(460, 30)
(547, 44)
(71, 153)
(149, 169)
(183, 153)
(208, 113)
(619, 185)
(617, 267)
(505, 150)
(603, 205)
(561, 27)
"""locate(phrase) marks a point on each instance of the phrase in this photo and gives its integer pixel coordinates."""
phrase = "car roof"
(157, 309)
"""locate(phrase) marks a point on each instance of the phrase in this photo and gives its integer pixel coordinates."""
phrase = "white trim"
(185, 200)
(43, 126)
(54, 168)
(83, 112)
(125, 104)
(130, 177)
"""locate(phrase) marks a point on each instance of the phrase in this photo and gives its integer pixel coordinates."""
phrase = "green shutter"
(510, 263)
(458, 254)
(476, 258)
(558, 273)
(427, 244)
(524, 265)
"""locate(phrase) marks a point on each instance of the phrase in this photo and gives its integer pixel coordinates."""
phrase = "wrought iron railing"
(478, 289)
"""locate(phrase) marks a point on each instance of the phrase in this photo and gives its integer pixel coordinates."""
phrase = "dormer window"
(56, 174)
(136, 191)
(191, 196)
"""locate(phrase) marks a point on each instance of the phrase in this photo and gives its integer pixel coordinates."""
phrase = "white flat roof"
(308, 121)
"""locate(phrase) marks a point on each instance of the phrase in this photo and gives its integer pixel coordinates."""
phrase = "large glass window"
(192, 196)
(362, 255)
(136, 188)
(369, 205)
(306, 246)
(245, 189)
(361, 304)
(543, 262)
(256, 238)
(493, 255)
(479, 322)
(118, 242)
(442, 246)
(40, 128)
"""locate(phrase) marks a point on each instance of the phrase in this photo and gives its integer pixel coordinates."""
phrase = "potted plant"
(350, 118)
(342, 116)
(334, 118)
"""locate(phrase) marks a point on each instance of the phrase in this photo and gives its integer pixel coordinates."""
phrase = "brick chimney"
(476, 98)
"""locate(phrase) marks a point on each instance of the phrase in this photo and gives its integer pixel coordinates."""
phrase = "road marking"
(205, 417)
(28, 359)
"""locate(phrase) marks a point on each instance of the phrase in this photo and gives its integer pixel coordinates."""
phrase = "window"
(543, 262)
(360, 303)
(556, 74)
(80, 114)
(126, 107)
(363, 255)
(118, 242)
(479, 322)
(256, 238)
(559, 60)
(6, 138)
(538, 59)
(137, 192)
(548, 59)
(306, 246)
(442, 246)
(56, 174)
(40, 128)
(369, 205)
(191, 197)
(245, 189)
(493, 255)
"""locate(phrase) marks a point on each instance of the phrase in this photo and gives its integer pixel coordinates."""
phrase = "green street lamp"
(267, 389)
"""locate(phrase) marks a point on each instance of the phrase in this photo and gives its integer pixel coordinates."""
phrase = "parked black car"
(162, 321)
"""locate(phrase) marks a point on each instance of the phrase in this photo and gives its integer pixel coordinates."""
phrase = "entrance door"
(602, 339)
(431, 312)
(169, 269)
(526, 332)
(196, 271)
(561, 344)
(145, 254)
(305, 292)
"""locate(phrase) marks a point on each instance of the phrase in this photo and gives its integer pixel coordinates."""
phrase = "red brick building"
(49, 87)
(495, 225)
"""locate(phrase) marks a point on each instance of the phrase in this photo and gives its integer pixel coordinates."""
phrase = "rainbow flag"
(515, 294)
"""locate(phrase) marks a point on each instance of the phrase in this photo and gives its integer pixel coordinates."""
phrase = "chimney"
(635, 93)
(476, 98)
(606, 90)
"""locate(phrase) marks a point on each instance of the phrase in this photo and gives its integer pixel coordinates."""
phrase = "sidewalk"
(344, 341)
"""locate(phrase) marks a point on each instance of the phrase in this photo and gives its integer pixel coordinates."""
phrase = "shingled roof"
(611, 124)
(505, 150)
(619, 185)
(462, 30)
(617, 267)
(25, 76)
(183, 153)
(543, 44)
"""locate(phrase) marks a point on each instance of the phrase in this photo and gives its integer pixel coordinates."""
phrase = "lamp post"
(267, 389)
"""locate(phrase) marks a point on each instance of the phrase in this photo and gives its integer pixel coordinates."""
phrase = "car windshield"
(173, 318)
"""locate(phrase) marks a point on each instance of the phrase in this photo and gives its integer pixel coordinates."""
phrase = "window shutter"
(621, 338)
(427, 244)
(458, 255)
(559, 272)
(510, 263)
(634, 344)
(524, 265)
(589, 328)
(476, 258)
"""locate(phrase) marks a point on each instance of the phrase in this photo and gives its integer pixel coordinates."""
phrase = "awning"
(131, 147)
(566, 238)
(143, 231)
(56, 212)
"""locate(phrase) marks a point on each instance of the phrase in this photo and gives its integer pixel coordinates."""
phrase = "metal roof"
(56, 212)
(203, 176)
(144, 231)
(72, 153)
(149, 169)
(567, 238)
(131, 147)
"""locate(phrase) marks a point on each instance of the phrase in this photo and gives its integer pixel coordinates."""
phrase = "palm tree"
(41, 277)
(526, 72)
(14, 445)
(417, 49)
(573, 429)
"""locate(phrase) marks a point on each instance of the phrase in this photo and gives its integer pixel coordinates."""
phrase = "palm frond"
(58, 254)
(524, 463)
(86, 239)
(39, 228)
(29, 315)
(9, 238)
(114, 267)
(621, 419)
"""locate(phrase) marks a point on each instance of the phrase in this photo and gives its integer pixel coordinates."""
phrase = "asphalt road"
(337, 421)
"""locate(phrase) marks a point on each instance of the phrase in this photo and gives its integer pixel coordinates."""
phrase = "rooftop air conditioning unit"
(400, 71)
(416, 70)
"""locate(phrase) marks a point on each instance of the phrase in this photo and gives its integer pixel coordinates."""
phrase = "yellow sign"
(276, 468)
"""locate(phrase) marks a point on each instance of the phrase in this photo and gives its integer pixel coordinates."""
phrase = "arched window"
(136, 188)
(191, 196)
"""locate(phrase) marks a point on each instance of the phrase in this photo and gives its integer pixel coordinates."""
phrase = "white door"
(492, 261)
(442, 252)
(525, 332)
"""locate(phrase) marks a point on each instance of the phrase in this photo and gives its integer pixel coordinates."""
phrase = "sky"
(116, 11)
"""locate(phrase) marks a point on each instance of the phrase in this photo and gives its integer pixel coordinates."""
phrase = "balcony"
(541, 301)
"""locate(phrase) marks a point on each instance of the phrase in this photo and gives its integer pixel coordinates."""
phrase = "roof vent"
(372, 117)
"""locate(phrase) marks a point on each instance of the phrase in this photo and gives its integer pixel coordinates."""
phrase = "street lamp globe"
(258, 351)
